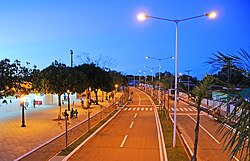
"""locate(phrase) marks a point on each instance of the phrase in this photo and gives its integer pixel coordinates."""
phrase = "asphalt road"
(132, 135)
(209, 144)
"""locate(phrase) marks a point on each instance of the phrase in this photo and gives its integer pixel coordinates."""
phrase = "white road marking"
(135, 115)
(177, 109)
(129, 109)
(151, 109)
(181, 109)
(205, 130)
(134, 109)
(190, 109)
(236, 158)
(125, 109)
(185, 109)
(172, 109)
(146, 109)
(131, 125)
(123, 142)
(142, 109)
(138, 109)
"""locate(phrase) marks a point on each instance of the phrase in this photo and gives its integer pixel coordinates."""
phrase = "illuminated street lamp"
(116, 87)
(68, 92)
(142, 17)
(159, 66)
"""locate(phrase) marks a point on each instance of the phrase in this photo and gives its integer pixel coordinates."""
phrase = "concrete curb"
(91, 136)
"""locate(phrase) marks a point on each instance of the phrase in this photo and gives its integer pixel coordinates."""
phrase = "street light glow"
(212, 15)
(141, 17)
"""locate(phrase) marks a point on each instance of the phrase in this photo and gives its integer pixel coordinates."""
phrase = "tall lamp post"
(142, 17)
(71, 58)
(159, 65)
(152, 79)
(188, 71)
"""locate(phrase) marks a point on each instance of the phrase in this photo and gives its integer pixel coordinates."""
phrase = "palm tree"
(236, 138)
(201, 91)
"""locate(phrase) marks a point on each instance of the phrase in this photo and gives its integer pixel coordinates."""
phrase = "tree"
(236, 139)
(55, 80)
(13, 78)
(200, 92)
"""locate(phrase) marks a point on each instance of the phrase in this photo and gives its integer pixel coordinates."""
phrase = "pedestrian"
(66, 115)
(5, 101)
(76, 112)
(34, 103)
(10, 101)
(72, 113)
(26, 104)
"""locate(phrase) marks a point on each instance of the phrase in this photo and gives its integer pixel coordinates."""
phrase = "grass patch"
(177, 153)
(85, 136)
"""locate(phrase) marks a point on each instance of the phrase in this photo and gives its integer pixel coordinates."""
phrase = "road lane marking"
(190, 109)
(134, 109)
(177, 109)
(181, 109)
(123, 142)
(131, 125)
(146, 109)
(138, 109)
(151, 109)
(129, 109)
(185, 109)
(139, 100)
(172, 109)
(125, 109)
(190, 151)
(142, 109)
(205, 130)
(135, 115)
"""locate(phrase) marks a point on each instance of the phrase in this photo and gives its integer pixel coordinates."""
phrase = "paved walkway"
(41, 126)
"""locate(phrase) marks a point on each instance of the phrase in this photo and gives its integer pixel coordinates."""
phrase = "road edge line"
(159, 131)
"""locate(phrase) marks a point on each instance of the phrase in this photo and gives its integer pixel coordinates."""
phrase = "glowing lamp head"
(116, 85)
(141, 17)
(212, 15)
(147, 57)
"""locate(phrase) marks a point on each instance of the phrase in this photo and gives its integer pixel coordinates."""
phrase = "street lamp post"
(23, 120)
(142, 17)
(71, 58)
(68, 92)
(152, 79)
(139, 78)
(159, 66)
(145, 80)
(188, 71)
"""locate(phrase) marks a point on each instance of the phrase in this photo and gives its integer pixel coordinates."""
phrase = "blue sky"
(40, 32)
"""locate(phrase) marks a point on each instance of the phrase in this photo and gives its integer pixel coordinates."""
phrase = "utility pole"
(188, 71)
(71, 56)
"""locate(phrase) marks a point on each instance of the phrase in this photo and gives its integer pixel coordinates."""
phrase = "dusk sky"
(42, 31)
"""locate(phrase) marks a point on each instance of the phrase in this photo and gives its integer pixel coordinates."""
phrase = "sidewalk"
(41, 125)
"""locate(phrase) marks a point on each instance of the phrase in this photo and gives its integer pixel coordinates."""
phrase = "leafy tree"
(200, 92)
(13, 77)
(55, 81)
